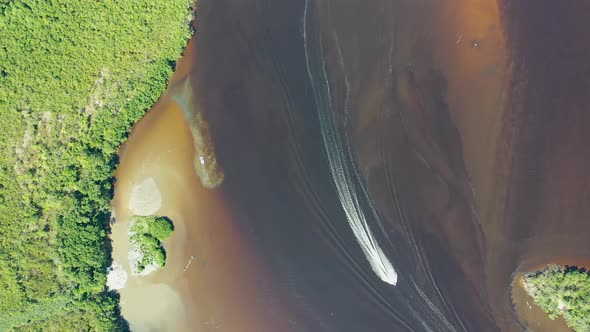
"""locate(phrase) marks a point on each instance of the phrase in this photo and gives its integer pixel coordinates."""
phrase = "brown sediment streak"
(518, 95)
(471, 54)
(466, 44)
(205, 162)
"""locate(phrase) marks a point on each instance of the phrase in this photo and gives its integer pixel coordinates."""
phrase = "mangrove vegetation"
(147, 235)
(562, 291)
(74, 76)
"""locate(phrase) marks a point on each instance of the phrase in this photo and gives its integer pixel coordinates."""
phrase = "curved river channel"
(379, 165)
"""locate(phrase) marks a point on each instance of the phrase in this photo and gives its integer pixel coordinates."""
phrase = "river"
(387, 165)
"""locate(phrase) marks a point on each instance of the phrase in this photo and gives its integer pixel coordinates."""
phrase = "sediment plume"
(205, 161)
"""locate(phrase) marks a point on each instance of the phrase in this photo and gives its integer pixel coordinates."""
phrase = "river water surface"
(388, 166)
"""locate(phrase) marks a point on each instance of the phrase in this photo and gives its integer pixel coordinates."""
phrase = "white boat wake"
(340, 160)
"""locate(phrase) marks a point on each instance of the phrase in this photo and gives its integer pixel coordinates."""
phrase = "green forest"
(562, 291)
(75, 75)
(148, 233)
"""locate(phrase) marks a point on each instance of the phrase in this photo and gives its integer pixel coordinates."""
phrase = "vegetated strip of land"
(74, 76)
(562, 290)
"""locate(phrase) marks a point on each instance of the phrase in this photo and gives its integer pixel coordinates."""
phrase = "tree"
(148, 233)
(74, 77)
(562, 291)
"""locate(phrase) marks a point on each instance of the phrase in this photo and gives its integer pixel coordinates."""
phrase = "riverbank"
(529, 314)
(73, 79)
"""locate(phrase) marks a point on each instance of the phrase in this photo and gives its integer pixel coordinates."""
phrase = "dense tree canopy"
(74, 76)
(562, 291)
(148, 233)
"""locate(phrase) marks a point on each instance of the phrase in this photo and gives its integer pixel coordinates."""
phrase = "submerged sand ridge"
(205, 161)
(146, 198)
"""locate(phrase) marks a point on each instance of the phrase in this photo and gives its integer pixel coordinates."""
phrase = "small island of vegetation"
(75, 75)
(147, 235)
(564, 291)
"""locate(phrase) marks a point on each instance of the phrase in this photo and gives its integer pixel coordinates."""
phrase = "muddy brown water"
(467, 122)
(226, 286)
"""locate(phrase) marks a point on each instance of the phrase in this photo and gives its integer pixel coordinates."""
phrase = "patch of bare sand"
(146, 198)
